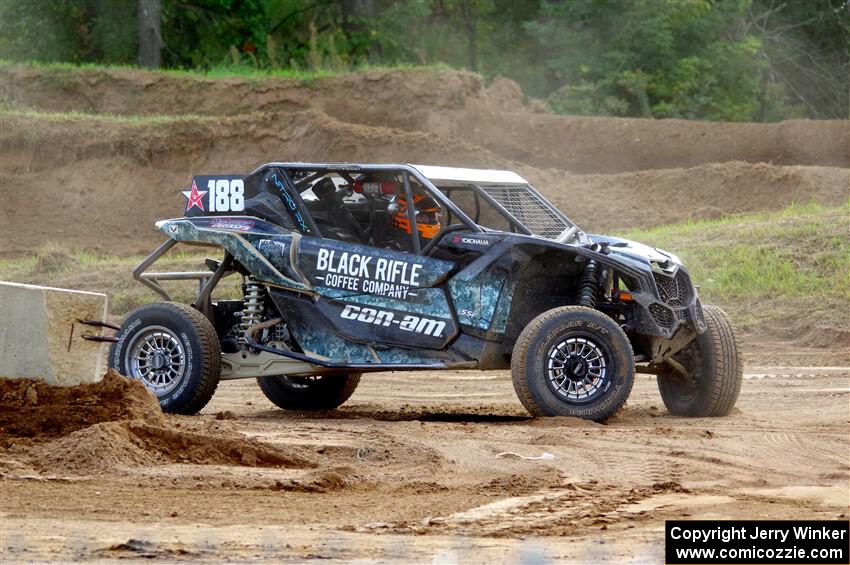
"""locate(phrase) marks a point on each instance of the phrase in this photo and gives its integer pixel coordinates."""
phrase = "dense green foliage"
(737, 60)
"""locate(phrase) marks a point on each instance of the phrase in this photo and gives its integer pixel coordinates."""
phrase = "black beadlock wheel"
(322, 392)
(174, 351)
(715, 370)
(573, 361)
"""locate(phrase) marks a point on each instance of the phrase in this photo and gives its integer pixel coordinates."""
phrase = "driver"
(428, 216)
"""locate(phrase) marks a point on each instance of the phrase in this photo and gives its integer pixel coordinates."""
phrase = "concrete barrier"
(41, 337)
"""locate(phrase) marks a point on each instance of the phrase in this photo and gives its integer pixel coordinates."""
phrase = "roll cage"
(524, 210)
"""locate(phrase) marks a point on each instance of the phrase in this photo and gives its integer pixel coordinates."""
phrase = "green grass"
(773, 264)
(65, 73)
(228, 71)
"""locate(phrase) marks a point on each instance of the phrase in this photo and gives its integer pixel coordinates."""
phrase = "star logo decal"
(195, 197)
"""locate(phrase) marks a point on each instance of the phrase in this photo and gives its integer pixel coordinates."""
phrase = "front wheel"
(174, 350)
(321, 392)
(573, 361)
(714, 371)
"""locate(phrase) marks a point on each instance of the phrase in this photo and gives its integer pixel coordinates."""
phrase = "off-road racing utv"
(344, 272)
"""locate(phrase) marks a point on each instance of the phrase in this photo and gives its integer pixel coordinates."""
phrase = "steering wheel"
(441, 234)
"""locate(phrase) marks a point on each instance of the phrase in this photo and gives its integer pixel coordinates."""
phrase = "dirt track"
(409, 469)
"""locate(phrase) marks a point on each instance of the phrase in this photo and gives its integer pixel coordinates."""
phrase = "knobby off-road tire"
(174, 350)
(324, 392)
(715, 370)
(573, 361)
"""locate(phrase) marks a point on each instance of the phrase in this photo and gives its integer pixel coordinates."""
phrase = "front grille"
(663, 316)
(674, 291)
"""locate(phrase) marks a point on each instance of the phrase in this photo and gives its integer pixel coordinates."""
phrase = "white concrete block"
(41, 337)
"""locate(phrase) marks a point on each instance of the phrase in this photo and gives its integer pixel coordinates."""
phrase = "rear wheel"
(322, 392)
(714, 370)
(573, 361)
(174, 351)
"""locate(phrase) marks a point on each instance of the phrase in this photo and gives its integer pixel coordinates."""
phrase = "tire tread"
(718, 378)
(523, 342)
(210, 355)
(324, 397)
(728, 362)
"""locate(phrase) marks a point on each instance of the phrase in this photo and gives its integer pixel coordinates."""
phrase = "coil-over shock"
(252, 306)
(587, 286)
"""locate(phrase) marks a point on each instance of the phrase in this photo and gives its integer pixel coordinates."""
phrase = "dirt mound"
(668, 196)
(111, 169)
(242, 142)
(104, 169)
(325, 480)
(116, 424)
(37, 410)
(114, 169)
(452, 104)
(613, 145)
(395, 98)
(113, 445)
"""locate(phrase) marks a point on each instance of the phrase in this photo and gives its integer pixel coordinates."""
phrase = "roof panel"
(469, 175)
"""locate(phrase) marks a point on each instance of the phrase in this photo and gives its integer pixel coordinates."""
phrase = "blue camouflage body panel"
(350, 269)
(241, 237)
(475, 300)
(319, 337)
(423, 321)
(381, 306)
(393, 299)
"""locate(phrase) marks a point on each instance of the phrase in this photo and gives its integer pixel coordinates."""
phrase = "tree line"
(728, 60)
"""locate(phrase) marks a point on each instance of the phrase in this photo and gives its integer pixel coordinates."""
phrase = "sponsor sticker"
(365, 273)
(238, 225)
(468, 240)
(407, 322)
(290, 203)
(267, 245)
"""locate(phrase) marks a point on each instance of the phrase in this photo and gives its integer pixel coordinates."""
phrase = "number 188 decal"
(222, 195)
(226, 195)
